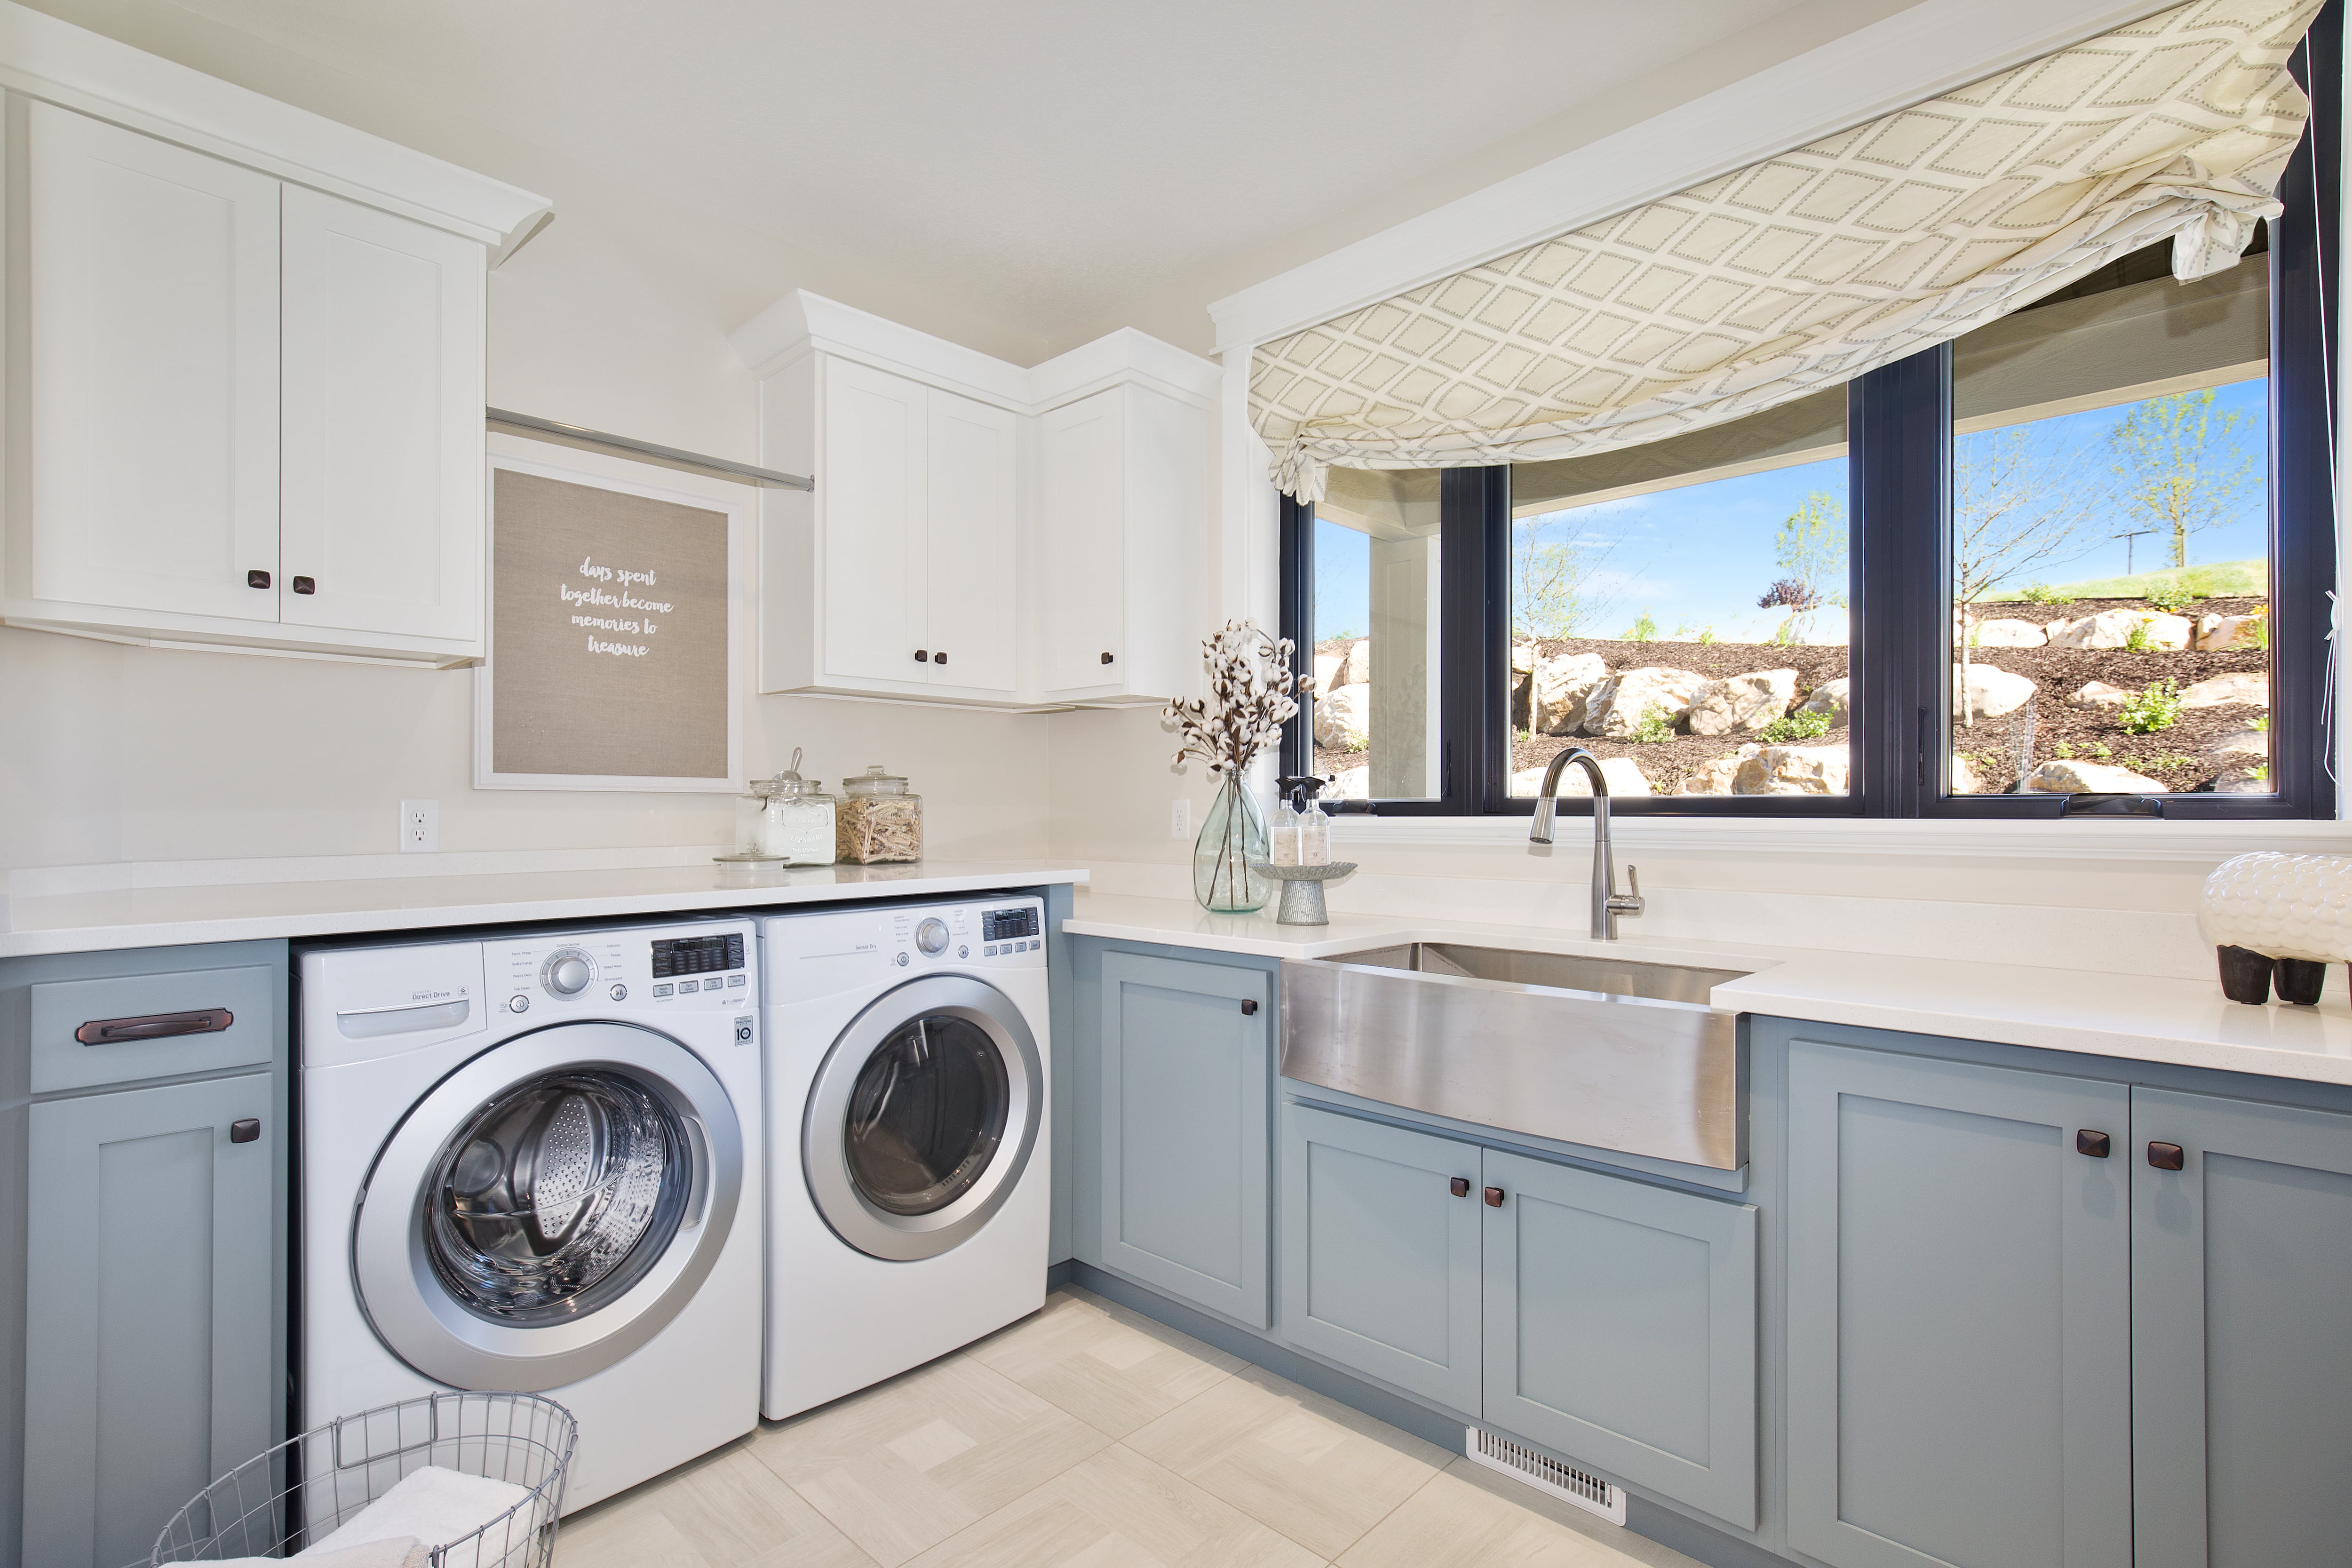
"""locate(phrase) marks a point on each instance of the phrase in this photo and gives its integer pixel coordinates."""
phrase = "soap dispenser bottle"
(1285, 840)
(1310, 824)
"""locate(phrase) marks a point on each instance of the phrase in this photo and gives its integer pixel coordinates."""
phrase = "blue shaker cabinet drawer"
(88, 1033)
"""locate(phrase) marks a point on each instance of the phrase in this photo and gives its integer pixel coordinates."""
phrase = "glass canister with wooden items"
(880, 820)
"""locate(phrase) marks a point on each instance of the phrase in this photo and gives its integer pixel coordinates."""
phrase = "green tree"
(1554, 559)
(2180, 465)
(1809, 550)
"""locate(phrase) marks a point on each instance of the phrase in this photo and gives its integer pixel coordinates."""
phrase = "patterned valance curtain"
(1809, 269)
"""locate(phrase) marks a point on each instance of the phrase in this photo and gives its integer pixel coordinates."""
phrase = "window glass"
(1376, 656)
(2110, 542)
(1680, 609)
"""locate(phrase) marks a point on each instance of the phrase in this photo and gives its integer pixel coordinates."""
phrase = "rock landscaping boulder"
(1618, 705)
(1964, 777)
(1624, 776)
(1793, 770)
(1715, 777)
(1352, 783)
(1326, 670)
(1341, 717)
(1742, 702)
(2244, 780)
(2060, 776)
(2099, 694)
(2223, 690)
(1559, 691)
(2215, 632)
(2008, 634)
(2242, 743)
(2113, 629)
(1354, 667)
(1834, 698)
(1987, 692)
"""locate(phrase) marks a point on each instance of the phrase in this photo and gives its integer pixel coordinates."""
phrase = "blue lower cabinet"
(2242, 1309)
(1184, 1071)
(1959, 1355)
(1621, 1328)
(1379, 1241)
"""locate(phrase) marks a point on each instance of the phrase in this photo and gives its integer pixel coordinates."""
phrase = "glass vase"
(1232, 834)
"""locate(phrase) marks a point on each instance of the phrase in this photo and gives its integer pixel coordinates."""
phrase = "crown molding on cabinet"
(802, 323)
(1905, 59)
(46, 58)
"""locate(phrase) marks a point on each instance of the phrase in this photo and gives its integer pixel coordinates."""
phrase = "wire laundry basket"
(307, 1487)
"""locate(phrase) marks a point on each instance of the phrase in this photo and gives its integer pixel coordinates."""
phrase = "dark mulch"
(1994, 747)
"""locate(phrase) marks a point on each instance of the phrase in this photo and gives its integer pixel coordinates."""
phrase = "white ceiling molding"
(62, 64)
(802, 323)
(1918, 54)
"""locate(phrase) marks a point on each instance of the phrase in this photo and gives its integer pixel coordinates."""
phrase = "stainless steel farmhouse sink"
(1601, 1051)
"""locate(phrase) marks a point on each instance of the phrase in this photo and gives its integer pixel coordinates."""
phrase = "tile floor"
(1088, 1436)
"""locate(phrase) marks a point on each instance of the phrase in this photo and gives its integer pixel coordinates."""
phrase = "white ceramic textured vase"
(2292, 911)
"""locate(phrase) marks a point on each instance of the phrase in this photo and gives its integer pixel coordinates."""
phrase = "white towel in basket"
(435, 1506)
(398, 1551)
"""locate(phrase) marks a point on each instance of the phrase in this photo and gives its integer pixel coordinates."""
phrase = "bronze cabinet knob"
(1494, 1197)
(2095, 1145)
(1461, 1185)
(2167, 1156)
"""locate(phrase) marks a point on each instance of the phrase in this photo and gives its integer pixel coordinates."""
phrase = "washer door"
(548, 1207)
(922, 1118)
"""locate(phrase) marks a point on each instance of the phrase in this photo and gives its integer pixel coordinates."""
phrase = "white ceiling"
(1047, 160)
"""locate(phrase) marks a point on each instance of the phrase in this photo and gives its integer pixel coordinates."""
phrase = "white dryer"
(910, 1176)
(533, 1162)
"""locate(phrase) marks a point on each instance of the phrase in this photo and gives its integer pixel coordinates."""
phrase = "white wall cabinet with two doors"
(242, 409)
(978, 533)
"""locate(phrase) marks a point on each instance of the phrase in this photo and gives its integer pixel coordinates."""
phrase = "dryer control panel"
(700, 967)
(816, 954)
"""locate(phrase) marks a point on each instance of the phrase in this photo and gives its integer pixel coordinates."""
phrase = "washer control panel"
(698, 967)
(992, 933)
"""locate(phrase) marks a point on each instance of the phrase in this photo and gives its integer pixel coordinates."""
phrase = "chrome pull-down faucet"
(1608, 903)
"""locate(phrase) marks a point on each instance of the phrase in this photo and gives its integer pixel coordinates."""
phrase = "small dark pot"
(2300, 981)
(2245, 975)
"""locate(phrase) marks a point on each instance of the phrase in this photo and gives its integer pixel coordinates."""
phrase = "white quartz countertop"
(165, 917)
(2184, 1022)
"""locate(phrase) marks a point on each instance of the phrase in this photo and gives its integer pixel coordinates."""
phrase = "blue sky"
(1700, 555)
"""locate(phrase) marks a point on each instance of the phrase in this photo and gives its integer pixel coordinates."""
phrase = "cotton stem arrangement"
(1249, 700)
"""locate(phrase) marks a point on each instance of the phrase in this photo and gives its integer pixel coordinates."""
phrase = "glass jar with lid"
(881, 819)
(751, 821)
(798, 827)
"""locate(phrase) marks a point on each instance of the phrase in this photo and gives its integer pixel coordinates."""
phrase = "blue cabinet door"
(2242, 1330)
(1620, 1328)
(1959, 1359)
(1185, 1075)
(148, 1365)
(1380, 1253)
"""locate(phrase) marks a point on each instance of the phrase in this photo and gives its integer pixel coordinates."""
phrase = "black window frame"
(1899, 456)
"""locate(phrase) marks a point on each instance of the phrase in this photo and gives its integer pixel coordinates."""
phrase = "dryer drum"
(554, 1196)
(926, 1115)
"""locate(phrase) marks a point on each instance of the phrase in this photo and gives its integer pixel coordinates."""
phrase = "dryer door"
(922, 1118)
(548, 1207)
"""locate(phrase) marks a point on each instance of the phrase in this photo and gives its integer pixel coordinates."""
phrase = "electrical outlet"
(420, 827)
(1179, 819)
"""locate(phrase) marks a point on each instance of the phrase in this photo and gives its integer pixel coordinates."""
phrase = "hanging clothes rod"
(582, 435)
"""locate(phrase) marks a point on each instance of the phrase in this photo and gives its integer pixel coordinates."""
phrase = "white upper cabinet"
(153, 373)
(971, 549)
(382, 451)
(246, 391)
(1124, 497)
(978, 533)
(897, 576)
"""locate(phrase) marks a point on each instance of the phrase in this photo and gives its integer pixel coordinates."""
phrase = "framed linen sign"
(613, 659)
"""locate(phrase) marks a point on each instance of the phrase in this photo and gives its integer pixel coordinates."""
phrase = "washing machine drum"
(548, 1207)
(922, 1118)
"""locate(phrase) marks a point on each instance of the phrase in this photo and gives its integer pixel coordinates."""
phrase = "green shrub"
(1794, 727)
(2259, 633)
(2042, 594)
(1655, 729)
(2137, 640)
(2157, 707)
(2172, 597)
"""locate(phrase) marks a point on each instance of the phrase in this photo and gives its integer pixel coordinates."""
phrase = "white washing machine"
(533, 1162)
(910, 1181)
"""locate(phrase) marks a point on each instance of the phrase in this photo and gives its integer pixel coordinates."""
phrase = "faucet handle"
(1628, 903)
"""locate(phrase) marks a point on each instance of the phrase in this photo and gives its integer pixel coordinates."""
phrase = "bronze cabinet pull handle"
(2097, 1145)
(155, 1027)
(2167, 1156)
(247, 1130)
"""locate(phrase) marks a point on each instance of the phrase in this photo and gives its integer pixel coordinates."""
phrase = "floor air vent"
(1546, 1474)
